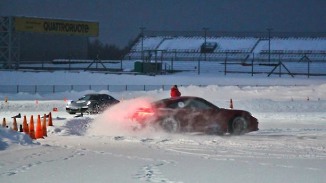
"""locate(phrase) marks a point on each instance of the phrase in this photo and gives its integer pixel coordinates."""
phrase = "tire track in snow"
(152, 173)
(259, 146)
(38, 158)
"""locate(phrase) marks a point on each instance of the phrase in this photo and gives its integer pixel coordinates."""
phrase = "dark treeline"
(98, 50)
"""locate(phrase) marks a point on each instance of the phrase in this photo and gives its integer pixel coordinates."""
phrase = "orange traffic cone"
(231, 104)
(44, 126)
(14, 125)
(4, 124)
(31, 128)
(25, 126)
(38, 131)
(50, 120)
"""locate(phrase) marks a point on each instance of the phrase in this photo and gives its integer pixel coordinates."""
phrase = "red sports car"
(194, 114)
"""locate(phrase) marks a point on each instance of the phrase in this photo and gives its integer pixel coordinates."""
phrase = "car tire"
(238, 126)
(96, 109)
(170, 124)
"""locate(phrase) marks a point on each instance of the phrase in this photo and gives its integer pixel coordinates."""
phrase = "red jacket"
(175, 92)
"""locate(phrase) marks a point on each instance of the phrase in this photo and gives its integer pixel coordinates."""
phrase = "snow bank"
(10, 137)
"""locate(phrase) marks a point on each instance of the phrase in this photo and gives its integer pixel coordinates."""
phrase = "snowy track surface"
(289, 147)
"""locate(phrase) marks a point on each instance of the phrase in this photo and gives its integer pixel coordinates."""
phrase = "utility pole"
(205, 37)
(269, 44)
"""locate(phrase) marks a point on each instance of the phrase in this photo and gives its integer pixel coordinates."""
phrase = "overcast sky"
(120, 19)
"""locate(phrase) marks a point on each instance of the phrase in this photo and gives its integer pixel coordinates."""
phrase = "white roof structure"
(191, 46)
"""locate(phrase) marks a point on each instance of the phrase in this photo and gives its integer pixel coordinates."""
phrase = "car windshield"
(87, 97)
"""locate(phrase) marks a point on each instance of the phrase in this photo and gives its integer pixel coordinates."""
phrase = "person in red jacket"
(175, 91)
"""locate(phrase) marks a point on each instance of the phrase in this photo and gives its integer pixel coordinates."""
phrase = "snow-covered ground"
(289, 147)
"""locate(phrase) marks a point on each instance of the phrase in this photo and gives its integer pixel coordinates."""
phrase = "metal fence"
(307, 64)
(44, 89)
(51, 89)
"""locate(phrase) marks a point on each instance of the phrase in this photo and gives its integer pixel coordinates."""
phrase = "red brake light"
(143, 113)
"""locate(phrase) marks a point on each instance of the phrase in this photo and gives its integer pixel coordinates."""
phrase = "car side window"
(190, 104)
(103, 97)
(202, 105)
(182, 105)
(110, 97)
(197, 104)
(176, 105)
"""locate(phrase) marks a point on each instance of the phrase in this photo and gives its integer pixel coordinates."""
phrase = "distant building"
(30, 39)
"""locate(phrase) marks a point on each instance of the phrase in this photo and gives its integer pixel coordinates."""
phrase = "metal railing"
(43, 89)
(307, 64)
(51, 89)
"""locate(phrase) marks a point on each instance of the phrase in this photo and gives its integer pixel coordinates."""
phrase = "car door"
(201, 115)
(193, 114)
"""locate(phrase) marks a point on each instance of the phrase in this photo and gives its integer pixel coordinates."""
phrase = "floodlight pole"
(142, 42)
(10, 44)
(269, 44)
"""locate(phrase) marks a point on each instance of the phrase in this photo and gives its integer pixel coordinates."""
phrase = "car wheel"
(96, 109)
(170, 124)
(238, 126)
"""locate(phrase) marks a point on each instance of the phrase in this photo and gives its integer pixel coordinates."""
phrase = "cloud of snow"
(116, 119)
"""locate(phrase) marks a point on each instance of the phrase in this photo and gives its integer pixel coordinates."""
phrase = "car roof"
(175, 99)
(96, 94)
(168, 101)
(181, 98)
